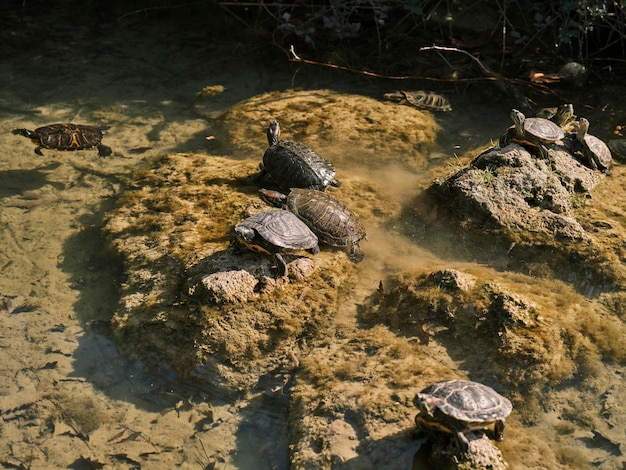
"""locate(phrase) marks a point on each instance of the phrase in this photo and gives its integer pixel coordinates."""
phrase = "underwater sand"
(68, 398)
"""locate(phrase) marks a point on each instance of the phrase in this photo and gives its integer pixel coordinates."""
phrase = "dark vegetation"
(521, 44)
(511, 37)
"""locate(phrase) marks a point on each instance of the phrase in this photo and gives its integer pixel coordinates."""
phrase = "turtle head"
(564, 114)
(583, 127)
(518, 119)
(425, 403)
(244, 234)
(273, 198)
(273, 133)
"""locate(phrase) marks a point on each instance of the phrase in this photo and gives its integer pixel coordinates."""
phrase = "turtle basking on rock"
(66, 137)
(292, 164)
(459, 406)
(532, 132)
(276, 232)
(330, 219)
(596, 153)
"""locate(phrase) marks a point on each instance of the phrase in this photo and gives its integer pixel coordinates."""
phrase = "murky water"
(69, 398)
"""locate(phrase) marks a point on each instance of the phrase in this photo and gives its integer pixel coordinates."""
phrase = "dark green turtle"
(420, 99)
(292, 164)
(66, 137)
(595, 152)
(532, 132)
(331, 220)
(275, 232)
(459, 406)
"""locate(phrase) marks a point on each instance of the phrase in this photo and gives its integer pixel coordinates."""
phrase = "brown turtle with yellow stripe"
(66, 137)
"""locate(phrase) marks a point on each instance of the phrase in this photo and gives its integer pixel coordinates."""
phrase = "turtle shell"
(276, 231)
(536, 130)
(330, 219)
(294, 165)
(66, 137)
(594, 148)
(421, 99)
(462, 405)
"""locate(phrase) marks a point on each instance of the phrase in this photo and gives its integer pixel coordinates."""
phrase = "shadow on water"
(14, 182)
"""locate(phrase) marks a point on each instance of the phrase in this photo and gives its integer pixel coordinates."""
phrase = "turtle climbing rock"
(330, 219)
(276, 232)
(596, 153)
(292, 164)
(66, 137)
(459, 406)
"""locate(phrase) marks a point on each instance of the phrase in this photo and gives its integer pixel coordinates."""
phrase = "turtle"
(420, 99)
(328, 218)
(533, 132)
(292, 164)
(595, 152)
(562, 116)
(66, 136)
(459, 406)
(275, 232)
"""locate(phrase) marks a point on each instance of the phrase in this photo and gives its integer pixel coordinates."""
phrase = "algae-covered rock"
(345, 129)
(532, 211)
(192, 302)
(509, 188)
(190, 299)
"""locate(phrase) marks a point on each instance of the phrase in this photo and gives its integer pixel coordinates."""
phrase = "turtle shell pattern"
(537, 130)
(66, 137)
(421, 99)
(464, 405)
(277, 231)
(294, 165)
(331, 220)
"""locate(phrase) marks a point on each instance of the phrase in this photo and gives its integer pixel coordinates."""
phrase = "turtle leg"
(499, 430)
(356, 253)
(262, 176)
(462, 442)
(282, 265)
(38, 151)
(104, 151)
(591, 161)
(543, 152)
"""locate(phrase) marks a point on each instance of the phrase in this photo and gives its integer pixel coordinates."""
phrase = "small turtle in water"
(420, 99)
(292, 164)
(331, 220)
(275, 232)
(458, 406)
(66, 137)
(533, 132)
(596, 153)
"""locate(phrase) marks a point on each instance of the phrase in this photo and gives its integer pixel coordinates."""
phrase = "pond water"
(69, 398)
